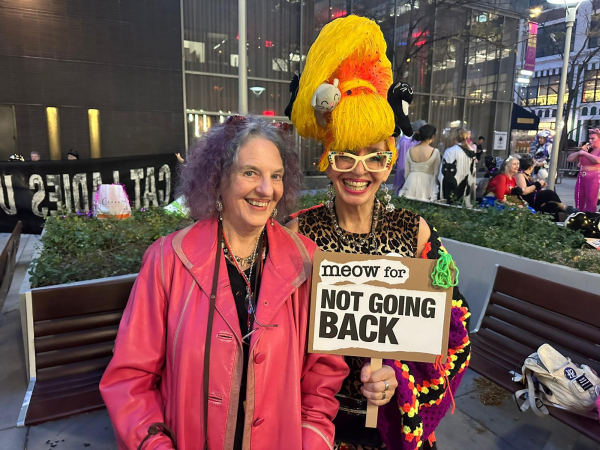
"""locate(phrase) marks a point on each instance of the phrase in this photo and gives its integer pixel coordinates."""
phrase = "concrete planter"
(478, 268)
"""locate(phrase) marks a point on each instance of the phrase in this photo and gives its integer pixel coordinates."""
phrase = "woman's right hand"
(378, 382)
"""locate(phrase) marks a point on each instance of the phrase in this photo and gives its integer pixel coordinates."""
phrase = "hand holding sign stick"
(372, 409)
(378, 307)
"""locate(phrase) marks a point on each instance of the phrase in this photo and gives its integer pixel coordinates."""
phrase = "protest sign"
(378, 306)
(382, 307)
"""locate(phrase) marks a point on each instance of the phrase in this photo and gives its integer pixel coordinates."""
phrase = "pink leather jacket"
(156, 372)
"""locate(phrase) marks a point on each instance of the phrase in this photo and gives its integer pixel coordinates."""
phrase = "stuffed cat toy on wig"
(325, 98)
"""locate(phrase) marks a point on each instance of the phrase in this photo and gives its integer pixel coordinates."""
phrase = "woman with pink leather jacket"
(211, 350)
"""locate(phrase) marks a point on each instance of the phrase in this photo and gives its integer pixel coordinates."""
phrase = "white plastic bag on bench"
(553, 379)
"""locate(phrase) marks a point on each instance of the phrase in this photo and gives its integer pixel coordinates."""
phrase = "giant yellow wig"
(351, 49)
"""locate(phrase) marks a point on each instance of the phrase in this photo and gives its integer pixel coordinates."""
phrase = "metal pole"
(571, 16)
(242, 61)
(183, 84)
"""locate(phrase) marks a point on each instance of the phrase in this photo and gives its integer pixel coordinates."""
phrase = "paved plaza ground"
(473, 425)
(566, 190)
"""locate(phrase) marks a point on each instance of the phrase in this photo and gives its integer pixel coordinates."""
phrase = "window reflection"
(591, 86)
(543, 91)
(456, 58)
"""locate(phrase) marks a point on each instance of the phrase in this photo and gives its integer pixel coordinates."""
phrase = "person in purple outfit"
(403, 145)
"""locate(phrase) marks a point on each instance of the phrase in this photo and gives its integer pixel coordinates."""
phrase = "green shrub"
(78, 247)
(516, 231)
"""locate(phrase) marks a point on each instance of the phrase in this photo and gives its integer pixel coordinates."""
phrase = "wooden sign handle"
(372, 410)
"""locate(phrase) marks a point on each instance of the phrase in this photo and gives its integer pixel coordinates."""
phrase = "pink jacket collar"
(287, 266)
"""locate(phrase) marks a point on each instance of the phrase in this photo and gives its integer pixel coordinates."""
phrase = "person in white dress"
(421, 167)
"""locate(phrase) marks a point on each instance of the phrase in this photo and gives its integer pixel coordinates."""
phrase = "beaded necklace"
(250, 305)
(345, 236)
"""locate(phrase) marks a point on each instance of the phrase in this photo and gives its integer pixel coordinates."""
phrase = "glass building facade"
(460, 60)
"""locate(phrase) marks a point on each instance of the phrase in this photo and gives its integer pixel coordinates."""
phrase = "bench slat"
(75, 339)
(65, 391)
(50, 303)
(545, 332)
(549, 295)
(62, 357)
(509, 358)
(73, 369)
(61, 384)
(572, 326)
(501, 369)
(497, 340)
(56, 326)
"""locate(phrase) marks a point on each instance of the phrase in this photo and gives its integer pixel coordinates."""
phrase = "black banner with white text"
(30, 191)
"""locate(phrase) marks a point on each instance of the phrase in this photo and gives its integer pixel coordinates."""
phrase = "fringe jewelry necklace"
(250, 305)
(250, 260)
(348, 238)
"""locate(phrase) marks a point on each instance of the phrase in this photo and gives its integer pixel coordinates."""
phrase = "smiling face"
(512, 167)
(359, 186)
(255, 185)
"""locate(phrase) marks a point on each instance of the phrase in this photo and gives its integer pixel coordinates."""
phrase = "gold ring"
(383, 395)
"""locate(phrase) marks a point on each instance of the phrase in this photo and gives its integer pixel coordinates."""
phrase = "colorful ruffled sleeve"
(422, 398)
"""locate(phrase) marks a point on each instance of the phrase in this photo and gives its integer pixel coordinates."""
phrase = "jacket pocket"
(215, 399)
(224, 336)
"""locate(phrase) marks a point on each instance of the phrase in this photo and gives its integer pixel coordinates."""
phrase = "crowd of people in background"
(429, 173)
(34, 156)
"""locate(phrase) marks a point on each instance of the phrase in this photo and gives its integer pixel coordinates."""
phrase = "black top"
(238, 289)
(529, 198)
(479, 151)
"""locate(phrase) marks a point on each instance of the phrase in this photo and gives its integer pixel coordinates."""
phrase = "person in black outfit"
(479, 145)
(540, 199)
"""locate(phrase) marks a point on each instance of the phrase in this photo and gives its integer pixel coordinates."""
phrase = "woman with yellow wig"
(345, 99)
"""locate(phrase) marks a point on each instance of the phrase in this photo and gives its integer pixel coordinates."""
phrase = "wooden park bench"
(8, 261)
(69, 338)
(524, 312)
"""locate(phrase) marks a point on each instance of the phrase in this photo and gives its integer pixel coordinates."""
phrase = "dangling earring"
(389, 207)
(219, 206)
(330, 196)
(273, 214)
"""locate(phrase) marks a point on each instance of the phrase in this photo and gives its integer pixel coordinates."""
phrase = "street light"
(571, 10)
(535, 12)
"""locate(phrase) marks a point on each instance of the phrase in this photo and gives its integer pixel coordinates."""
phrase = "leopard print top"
(396, 232)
